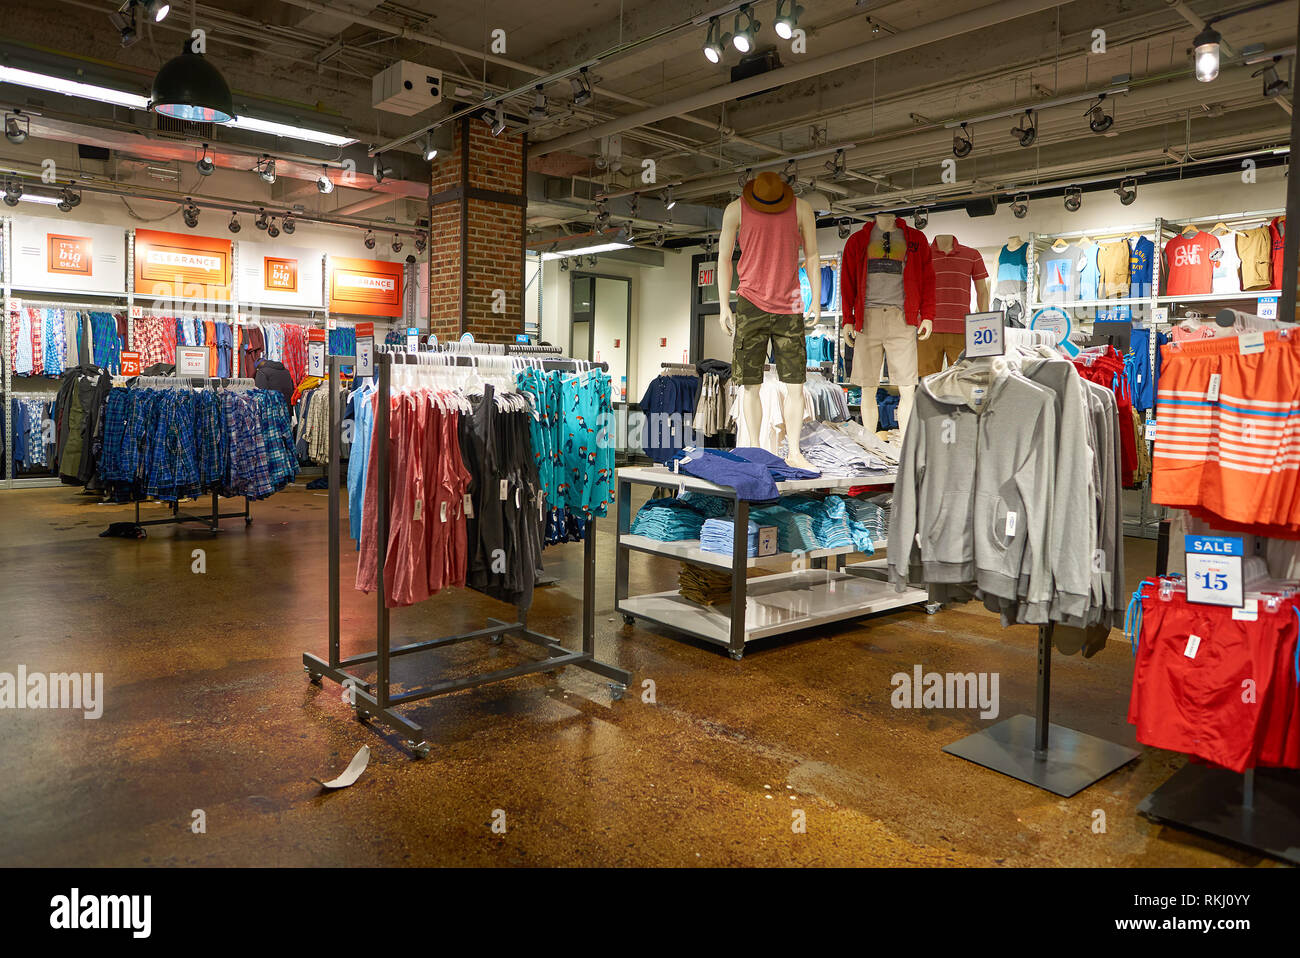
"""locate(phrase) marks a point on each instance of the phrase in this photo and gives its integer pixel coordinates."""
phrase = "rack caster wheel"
(617, 690)
(932, 607)
(418, 749)
(362, 717)
(248, 522)
(312, 677)
(735, 654)
(629, 619)
(497, 639)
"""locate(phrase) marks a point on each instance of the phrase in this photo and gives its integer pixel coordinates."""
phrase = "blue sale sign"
(1214, 570)
(1214, 545)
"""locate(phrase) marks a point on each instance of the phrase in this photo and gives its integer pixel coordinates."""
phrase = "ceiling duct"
(176, 129)
(983, 206)
(756, 64)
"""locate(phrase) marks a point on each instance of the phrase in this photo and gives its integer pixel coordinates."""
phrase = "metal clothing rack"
(377, 700)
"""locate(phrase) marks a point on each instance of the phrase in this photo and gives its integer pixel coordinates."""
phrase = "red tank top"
(769, 259)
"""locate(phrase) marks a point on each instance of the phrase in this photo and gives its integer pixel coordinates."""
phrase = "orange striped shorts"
(1231, 459)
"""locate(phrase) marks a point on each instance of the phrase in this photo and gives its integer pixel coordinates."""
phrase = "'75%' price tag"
(1214, 570)
(985, 335)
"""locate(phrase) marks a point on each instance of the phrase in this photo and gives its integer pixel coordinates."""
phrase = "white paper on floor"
(351, 773)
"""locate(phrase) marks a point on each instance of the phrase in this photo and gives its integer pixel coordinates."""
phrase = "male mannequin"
(1011, 291)
(888, 288)
(956, 269)
(771, 224)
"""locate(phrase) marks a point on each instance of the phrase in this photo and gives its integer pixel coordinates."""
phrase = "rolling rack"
(377, 700)
(211, 521)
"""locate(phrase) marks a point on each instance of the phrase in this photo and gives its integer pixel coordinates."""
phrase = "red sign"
(130, 363)
(708, 274)
(365, 329)
(179, 266)
(280, 274)
(315, 335)
(69, 254)
(366, 287)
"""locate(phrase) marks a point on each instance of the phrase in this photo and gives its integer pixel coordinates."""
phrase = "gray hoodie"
(975, 486)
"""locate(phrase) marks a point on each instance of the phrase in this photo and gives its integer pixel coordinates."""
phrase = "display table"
(816, 590)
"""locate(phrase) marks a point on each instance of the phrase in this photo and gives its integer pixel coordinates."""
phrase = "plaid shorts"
(754, 330)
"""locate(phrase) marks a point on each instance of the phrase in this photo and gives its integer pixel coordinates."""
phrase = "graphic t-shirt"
(1058, 276)
(1090, 275)
(1277, 235)
(805, 290)
(1141, 255)
(1254, 247)
(1013, 271)
(1226, 265)
(954, 272)
(1113, 270)
(1188, 264)
(886, 253)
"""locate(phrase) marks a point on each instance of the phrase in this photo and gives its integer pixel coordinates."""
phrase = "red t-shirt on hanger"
(1188, 267)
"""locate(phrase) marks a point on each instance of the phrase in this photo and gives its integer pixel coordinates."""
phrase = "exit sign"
(708, 274)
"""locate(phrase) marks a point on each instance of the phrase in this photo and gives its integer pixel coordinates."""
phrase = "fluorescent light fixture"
(255, 125)
(38, 198)
(587, 250)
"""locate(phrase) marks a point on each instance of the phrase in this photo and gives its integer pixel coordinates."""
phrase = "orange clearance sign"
(180, 266)
(366, 287)
(69, 254)
(280, 274)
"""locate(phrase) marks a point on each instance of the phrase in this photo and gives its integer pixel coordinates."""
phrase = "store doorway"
(602, 319)
(708, 340)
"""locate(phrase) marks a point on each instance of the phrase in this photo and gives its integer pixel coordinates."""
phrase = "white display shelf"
(775, 604)
(688, 550)
(662, 476)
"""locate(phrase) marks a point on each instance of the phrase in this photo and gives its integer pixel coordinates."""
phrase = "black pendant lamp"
(188, 87)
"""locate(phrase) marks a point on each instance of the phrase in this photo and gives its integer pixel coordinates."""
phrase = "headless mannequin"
(1014, 243)
(793, 406)
(946, 242)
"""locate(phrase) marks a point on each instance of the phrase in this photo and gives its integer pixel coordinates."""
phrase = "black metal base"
(1072, 762)
(1209, 800)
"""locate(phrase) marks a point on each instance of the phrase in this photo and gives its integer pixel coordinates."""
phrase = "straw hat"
(768, 193)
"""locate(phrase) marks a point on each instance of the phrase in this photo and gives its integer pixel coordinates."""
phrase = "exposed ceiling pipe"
(1186, 12)
(943, 29)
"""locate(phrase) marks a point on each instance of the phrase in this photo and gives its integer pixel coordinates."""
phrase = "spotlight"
(592, 260)
(378, 170)
(581, 86)
(710, 243)
(1098, 120)
(1073, 198)
(421, 242)
(429, 151)
(742, 38)
(634, 206)
(289, 224)
(660, 236)
(234, 226)
(564, 266)
(743, 178)
(538, 110)
(272, 230)
(204, 165)
(123, 20)
(369, 241)
(787, 21)
(69, 199)
(669, 200)
(962, 143)
(499, 124)
(190, 213)
(715, 42)
(17, 127)
(157, 10)
(791, 172)
(261, 221)
(1207, 54)
(602, 215)
(921, 218)
(13, 191)
(1020, 206)
(397, 243)
(266, 168)
(844, 227)
(837, 166)
(1274, 85)
(1026, 131)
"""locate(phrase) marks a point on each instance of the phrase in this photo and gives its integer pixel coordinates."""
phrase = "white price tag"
(412, 339)
(1160, 314)
(1267, 308)
(505, 490)
(1011, 525)
(365, 356)
(137, 312)
(316, 360)
(1193, 643)
(1214, 570)
(13, 305)
(468, 505)
(985, 335)
(191, 361)
(1248, 612)
(1212, 394)
(442, 512)
(1248, 343)
(1151, 429)
(419, 510)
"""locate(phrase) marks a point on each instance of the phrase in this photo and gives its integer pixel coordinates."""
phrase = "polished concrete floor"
(208, 709)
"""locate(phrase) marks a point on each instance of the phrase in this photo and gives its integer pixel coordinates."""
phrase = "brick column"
(476, 241)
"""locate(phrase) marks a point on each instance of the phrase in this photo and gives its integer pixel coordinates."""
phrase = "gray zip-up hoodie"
(976, 481)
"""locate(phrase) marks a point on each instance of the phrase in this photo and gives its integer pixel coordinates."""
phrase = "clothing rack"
(70, 305)
(377, 700)
(679, 369)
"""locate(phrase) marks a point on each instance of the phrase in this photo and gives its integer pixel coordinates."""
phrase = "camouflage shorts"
(754, 330)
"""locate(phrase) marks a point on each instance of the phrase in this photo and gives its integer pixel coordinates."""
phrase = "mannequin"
(956, 268)
(888, 287)
(1011, 291)
(772, 224)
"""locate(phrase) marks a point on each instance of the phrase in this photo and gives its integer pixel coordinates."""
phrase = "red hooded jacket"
(918, 276)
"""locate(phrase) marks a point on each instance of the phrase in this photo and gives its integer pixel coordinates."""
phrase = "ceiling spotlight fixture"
(787, 21)
(265, 168)
(123, 20)
(381, 172)
(188, 87)
(289, 224)
(421, 242)
(69, 199)
(190, 213)
(369, 240)
(791, 172)
(157, 10)
(397, 243)
(272, 230)
(17, 127)
(743, 178)
(710, 244)
(538, 110)
(634, 206)
(1274, 85)
(323, 182)
(564, 266)
(1206, 54)
(1127, 191)
(261, 222)
(13, 191)
(669, 200)
(1020, 206)
(602, 215)
(498, 123)
(837, 165)
(1026, 131)
(592, 260)
(205, 166)
(1098, 120)
(921, 218)
(234, 226)
(742, 38)
(428, 150)
(715, 42)
(962, 143)
(580, 83)
(660, 236)
(843, 227)
(1073, 198)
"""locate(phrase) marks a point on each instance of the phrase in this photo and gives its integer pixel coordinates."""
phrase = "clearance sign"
(182, 266)
(365, 287)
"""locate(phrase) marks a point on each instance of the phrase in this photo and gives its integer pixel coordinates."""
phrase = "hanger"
(1191, 229)
(1220, 228)
(1061, 245)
